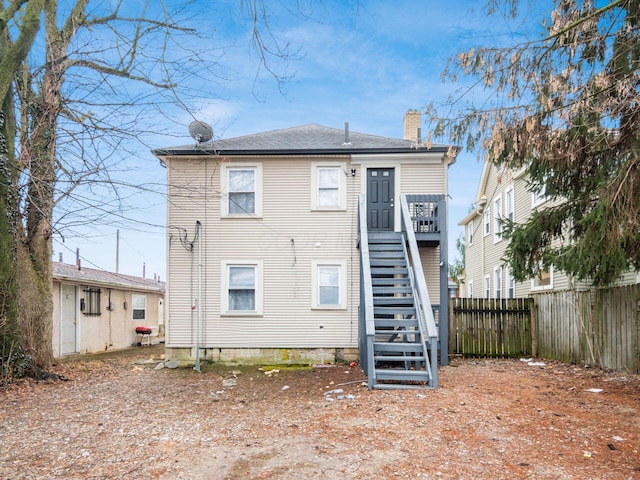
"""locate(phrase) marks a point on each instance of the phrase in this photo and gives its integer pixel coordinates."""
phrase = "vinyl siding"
(286, 239)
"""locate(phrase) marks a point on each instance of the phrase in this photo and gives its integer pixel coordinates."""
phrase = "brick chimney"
(411, 125)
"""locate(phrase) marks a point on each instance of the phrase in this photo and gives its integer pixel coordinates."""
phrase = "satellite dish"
(200, 131)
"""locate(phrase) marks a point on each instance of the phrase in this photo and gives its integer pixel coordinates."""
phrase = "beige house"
(264, 238)
(95, 311)
(504, 193)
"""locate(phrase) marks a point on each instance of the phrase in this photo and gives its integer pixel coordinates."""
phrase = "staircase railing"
(423, 303)
(420, 315)
(366, 314)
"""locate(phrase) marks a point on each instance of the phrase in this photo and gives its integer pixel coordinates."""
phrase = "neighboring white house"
(262, 253)
(503, 193)
(95, 311)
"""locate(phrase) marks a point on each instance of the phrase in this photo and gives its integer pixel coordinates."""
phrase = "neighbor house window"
(539, 197)
(497, 282)
(243, 187)
(90, 304)
(470, 232)
(511, 283)
(241, 288)
(329, 284)
(544, 280)
(470, 289)
(487, 221)
(497, 219)
(487, 286)
(329, 186)
(509, 205)
(139, 307)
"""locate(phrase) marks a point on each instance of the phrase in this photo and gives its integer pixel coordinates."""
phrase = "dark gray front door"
(380, 183)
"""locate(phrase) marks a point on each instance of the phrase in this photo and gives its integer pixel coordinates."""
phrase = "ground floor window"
(90, 304)
(139, 307)
(329, 284)
(241, 288)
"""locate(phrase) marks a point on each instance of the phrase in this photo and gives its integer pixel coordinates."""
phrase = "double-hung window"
(470, 232)
(243, 187)
(543, 281)
(241, 288)
(470, 289)
(329, 186)
(139, 306)
(511, 283)
(487, 221)
(497, 282)
(509, 205)
(329, 284)
(497, 219)
(487, 286)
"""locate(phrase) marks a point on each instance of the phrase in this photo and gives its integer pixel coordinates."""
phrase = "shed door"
(68, 322)
(380, 182)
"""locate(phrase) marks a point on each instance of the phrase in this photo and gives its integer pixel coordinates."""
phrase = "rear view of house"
(265, 239)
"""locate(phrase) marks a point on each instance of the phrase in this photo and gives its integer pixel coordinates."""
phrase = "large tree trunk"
(34, 252)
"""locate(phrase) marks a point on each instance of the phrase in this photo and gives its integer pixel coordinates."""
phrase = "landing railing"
(423, 303)
(424, 212)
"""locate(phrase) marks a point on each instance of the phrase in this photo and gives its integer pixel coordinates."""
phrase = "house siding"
(286, 239)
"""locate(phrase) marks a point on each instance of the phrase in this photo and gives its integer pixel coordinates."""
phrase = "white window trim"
(538, 288)
(486, 222)
(497, 275)
(315, 305)
(224, 288)
(509, 281)
(133, 307)
(486, 293)
(470, 232)
(224, 188)
(342, 187)
(497, 217)
(511, 207)
(470, 289)
(538, 199)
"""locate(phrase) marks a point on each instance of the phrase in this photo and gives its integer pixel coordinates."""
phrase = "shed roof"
(90, 276)
(303, 140)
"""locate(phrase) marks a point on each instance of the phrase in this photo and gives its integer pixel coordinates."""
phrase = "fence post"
(533, 314)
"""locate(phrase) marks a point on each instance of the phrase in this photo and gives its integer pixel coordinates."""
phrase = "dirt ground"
(117, 416)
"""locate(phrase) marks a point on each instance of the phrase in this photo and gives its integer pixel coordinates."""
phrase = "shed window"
(90, 304)
(139, 304)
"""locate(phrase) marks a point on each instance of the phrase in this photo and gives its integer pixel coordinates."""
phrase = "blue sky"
(362, 62)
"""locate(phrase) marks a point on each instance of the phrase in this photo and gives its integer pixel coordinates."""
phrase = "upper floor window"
(509, 205)
(470, 227)
(487, 221)
(243, 187)
(538, 197)
(497, 218)
(329, 186)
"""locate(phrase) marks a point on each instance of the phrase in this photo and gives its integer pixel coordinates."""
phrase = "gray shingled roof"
(305, 139)
(90, 276)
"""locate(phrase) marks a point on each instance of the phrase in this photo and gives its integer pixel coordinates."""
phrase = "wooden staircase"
(400, 355)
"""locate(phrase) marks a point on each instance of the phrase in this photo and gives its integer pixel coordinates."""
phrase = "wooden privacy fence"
(598, 327)
(490, 327)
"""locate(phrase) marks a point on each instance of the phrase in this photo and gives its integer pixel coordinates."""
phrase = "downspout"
(199, 324)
